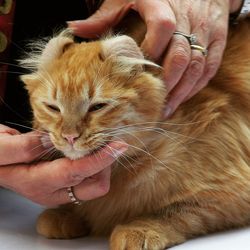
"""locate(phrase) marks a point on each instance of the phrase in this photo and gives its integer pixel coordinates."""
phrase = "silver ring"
(203, 50)
(73, 197)
(192, 39)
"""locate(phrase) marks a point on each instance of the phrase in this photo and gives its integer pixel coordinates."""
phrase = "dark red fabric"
(6, 26)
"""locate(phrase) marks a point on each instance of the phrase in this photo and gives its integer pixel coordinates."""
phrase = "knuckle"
(73, 178)
(196, 66)
(180, 58)
(166, 23)
(162, 23)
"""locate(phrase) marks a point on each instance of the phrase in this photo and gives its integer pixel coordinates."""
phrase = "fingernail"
(168, 112)
(73, 25)
(73, 22)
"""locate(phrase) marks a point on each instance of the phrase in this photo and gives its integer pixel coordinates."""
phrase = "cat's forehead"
(83, 53)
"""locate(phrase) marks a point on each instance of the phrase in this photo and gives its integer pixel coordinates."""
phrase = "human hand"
(46, 182)
(18, 148)
(186, 71)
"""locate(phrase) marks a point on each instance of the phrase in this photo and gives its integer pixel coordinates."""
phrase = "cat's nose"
(71, 138)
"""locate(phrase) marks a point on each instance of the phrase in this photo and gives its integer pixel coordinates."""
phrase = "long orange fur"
(181, 177)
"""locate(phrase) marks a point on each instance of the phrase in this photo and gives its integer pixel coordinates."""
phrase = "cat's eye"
(97, 106)
(52, 107)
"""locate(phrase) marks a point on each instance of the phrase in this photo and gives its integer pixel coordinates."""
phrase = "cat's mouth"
(75, 154)
(71, 151)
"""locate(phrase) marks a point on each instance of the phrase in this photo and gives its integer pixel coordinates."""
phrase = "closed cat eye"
(52, 107)
(97, 106)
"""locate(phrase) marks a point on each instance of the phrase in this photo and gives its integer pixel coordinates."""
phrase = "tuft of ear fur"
(126, 53)
(45, 51)
(121, 46)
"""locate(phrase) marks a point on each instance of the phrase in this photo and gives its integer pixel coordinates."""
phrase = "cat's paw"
(61, 224)
(128, 237)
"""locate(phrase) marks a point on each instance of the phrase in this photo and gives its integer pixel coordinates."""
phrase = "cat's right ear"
(43, 57)
(54, 49)
(44, 53)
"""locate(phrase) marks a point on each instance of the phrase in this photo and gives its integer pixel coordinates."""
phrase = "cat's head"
(88, 94)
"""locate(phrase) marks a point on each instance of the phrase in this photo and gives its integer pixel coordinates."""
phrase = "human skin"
(46, 182)
(186, 71)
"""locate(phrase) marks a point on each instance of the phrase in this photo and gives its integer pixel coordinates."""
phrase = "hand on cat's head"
(45, 182)
(84, 94)
(186, 71)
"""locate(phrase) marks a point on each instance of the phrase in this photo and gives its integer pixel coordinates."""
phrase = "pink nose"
(71, 138)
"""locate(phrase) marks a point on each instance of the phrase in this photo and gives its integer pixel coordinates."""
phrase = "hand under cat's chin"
(75, 154)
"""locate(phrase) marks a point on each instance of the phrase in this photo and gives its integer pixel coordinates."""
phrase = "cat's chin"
(75, 154)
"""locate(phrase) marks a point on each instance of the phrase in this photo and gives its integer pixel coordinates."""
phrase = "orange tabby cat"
(181, 177)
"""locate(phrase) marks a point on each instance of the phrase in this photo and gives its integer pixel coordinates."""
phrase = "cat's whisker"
(23, 126)
(11, 64)
(10, 108)
(11, 72)
(120, 163)
(149, 154)
(155, 158)
(46, 152)
(126, 157)
(160, 123)
(156, 129)
(36, 147)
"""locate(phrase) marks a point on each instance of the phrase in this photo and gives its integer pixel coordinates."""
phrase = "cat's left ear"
(126, 53)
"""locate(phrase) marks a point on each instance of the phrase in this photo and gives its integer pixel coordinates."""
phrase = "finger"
(21, 148)
(109, 15)
(4, 129)
(89, 189)
(160, 22)
(42, 182)
(176, 61)
(213, 61)
(189, 79)
(70, 173)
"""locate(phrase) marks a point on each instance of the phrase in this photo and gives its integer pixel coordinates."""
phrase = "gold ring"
(203, 50)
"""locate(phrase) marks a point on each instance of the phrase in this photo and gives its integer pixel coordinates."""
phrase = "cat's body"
(190, 174)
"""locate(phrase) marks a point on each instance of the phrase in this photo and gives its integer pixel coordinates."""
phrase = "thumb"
(20, 148)
(110, 14)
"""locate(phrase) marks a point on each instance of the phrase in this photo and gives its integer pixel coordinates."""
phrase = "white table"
(17, 232)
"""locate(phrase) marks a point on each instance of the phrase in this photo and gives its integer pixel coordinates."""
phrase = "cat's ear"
(44, 53)
(121, 46)
(54, 49)
(125, 51)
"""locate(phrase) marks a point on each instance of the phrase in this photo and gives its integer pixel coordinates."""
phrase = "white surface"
(17, 232)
